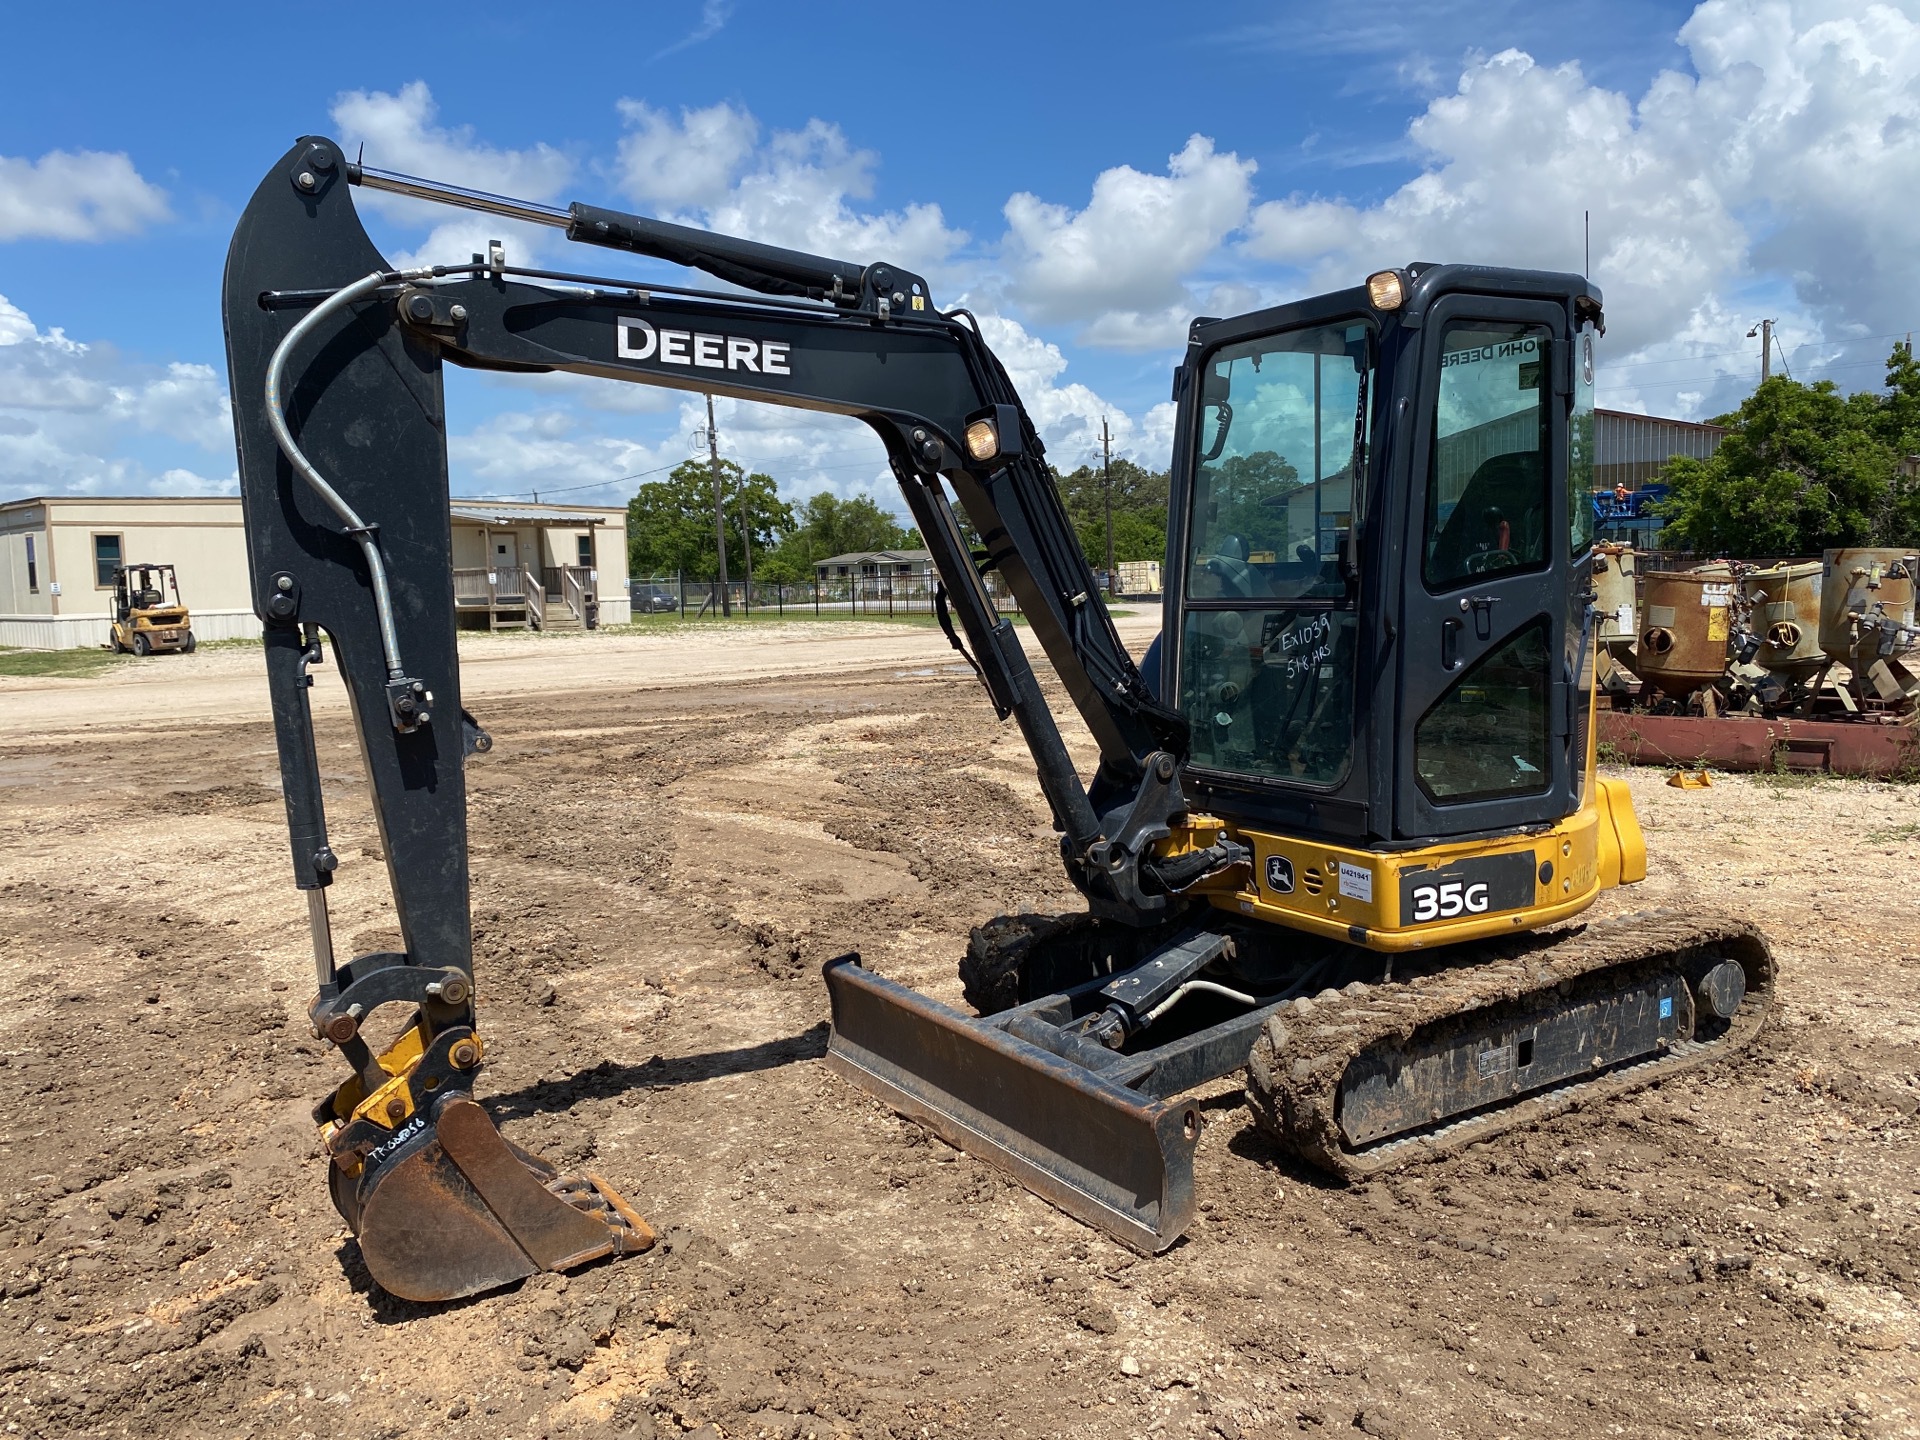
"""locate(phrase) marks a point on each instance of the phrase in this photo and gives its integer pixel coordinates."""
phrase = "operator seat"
(1508, 488)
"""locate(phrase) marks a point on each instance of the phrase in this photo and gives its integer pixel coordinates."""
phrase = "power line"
(568, 489)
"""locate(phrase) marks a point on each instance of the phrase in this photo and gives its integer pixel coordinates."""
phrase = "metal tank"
(1613, 601)
(1685, 622)
(1783, 611)
(1867, 606)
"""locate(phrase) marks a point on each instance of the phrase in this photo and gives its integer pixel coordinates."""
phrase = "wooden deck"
(553, 598)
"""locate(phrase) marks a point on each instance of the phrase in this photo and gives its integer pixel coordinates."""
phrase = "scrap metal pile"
(1802, 664)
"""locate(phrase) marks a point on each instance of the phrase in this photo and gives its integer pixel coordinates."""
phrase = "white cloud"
(76, 195)
(70, 413)
(714, 15)
(399, 133)
(1068, 416)
(799, 189)
(1783, 170)
(1124, 261)
(516, 452)
(692, 163)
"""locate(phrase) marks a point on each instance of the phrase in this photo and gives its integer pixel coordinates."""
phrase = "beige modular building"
(544, 566)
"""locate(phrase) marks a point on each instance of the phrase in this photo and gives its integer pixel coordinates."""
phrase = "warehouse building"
(1629, 452)
(541, 566)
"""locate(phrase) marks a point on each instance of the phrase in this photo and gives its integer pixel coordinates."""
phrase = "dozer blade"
(448, 1208)
(1119, 1160)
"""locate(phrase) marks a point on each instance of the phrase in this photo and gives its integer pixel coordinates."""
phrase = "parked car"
(651, 599)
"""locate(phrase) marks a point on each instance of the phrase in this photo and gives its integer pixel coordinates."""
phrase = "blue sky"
(1086, 176)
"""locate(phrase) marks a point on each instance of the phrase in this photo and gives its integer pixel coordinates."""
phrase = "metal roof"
(489, 514)
(863, 557)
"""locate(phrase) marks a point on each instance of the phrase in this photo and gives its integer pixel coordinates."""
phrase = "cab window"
(1268, 642)
(1488, 501)
(1488, 736)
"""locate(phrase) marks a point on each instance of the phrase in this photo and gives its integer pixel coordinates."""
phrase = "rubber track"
(1300, 1057)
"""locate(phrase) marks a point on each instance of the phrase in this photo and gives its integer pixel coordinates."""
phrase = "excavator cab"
(1367, 668)
(144, 620)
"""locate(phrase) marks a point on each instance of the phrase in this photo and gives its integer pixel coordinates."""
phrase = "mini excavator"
(1343, 810)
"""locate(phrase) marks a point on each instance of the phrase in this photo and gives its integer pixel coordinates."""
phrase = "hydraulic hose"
(277, 418)
(1192, 987)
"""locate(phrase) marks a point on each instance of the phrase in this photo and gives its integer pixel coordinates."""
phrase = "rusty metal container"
(1783, 609)
(1867, 606)
(1613, 583)
(1685, 620)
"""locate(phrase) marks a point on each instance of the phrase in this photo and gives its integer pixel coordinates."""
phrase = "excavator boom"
(336, 364)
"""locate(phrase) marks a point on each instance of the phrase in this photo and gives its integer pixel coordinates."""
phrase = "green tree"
(1248, 497)
(1139, 511)
(670, 522)
(828, 525)
(1803, 468)
(1899, 425)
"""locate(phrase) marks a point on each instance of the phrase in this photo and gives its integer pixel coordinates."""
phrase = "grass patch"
(238, 642)
(1894, 834)
(1783, 778)
(64, 663)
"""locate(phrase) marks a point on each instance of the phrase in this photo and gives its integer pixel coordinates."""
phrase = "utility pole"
(1765, 331)
(719, 510)
(1106, 483)
(746, 536)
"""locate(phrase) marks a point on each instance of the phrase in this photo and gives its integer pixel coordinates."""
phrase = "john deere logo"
(1280, 874)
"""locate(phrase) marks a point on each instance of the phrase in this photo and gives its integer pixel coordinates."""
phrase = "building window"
(33, 569)
(586, 552)
(106, 560)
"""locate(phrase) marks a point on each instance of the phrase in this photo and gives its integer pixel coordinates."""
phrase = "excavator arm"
(335, 358)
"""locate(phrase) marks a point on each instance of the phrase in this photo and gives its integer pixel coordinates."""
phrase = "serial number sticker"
(1356, 882)
(1497, 1061)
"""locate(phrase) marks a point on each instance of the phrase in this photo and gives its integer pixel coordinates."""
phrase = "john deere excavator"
(1341, 814)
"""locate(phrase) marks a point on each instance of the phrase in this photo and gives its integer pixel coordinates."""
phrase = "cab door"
(1484, 735)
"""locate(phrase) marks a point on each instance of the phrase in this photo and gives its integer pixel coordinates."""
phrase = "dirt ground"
(669, 837)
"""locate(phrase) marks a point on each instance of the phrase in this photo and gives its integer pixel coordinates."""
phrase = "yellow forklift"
(143, 620)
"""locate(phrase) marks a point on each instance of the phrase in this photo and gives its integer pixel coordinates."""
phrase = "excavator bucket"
(442, 1204)
(461, 1211)
(1071, 1128)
